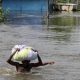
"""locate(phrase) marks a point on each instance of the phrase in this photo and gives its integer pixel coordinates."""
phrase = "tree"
(1, 1)
(1, 12)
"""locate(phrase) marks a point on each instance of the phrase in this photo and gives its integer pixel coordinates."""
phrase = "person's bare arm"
(10, 59)
(34, 50)
(43, 64)
(40, 63)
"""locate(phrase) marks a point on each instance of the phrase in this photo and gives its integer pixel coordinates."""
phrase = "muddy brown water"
(57, 42)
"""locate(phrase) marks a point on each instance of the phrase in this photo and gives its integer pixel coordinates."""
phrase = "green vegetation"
(1, 12)
(64, 1)
(1, 15)
(63, 21)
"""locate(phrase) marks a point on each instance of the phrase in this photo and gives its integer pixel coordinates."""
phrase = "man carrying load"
(25, 66)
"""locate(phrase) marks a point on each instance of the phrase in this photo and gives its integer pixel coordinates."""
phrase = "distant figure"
(26, 66)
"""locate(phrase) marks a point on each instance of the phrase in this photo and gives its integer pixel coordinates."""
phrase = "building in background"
(28, 6)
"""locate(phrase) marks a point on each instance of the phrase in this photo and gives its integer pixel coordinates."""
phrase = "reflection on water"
(25, 18)
(63, 25)
(61, 33)
(65, 19)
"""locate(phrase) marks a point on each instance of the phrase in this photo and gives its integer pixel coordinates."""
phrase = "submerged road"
(54, 43)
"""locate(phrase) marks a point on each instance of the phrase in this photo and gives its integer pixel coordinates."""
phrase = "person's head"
(25, 62)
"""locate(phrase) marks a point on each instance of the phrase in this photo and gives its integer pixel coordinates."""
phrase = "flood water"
(59, 42)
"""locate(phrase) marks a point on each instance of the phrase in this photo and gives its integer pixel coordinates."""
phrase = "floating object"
(25, 54)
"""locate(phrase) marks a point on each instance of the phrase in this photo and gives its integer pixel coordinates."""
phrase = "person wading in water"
(26, 66)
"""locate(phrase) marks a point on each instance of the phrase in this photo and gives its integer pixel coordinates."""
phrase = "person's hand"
(51, 63)
(17, 49)
(34, 50)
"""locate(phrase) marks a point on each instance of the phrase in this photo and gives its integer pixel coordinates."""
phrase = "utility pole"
(48, 13)
(48, 9)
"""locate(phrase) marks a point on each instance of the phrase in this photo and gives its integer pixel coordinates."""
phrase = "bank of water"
(59, 42)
